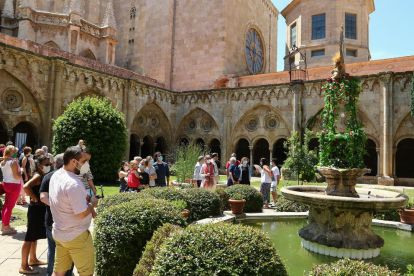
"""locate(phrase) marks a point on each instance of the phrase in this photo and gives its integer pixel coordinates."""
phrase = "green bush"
(392, 215)
(254, 199)
(170, 194)
(347, 267)
(186, 156)
(224, 198)
(144, 267)
(122, 231)
(286, 205)
(204, 203)
(116, 199)
(219, 249)
(102, 128)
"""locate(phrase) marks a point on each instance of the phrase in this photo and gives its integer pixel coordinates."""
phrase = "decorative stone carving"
(142, 120)
(252, 123)
(109, 18)
(155, 122)
(75, 6)
(12, 99)
(191, 125)
(8, 10)
(271, 122)
(207, 124)
(66, 7)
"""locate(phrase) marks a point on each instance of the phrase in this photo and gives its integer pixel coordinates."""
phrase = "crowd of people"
(62, 205)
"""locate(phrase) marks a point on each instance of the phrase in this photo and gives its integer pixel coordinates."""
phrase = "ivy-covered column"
(297, 96)
(386, 141)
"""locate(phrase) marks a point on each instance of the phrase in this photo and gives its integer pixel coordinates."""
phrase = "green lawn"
(19, 217)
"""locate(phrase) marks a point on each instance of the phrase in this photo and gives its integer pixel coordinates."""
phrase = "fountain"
(340, 216)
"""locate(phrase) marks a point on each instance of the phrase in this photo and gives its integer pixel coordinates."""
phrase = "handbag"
(273, 177)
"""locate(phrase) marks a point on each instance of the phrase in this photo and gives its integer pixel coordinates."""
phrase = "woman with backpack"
(246, 172)
(234, 173)
(266, 180)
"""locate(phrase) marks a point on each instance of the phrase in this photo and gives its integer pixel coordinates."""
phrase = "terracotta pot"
(407, 216)
(185, 213)
(237, 206)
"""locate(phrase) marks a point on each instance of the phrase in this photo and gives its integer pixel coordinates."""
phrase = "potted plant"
(182, 205)
(407, 214)
(237, 204)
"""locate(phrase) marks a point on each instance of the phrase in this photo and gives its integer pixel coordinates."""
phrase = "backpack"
(236, 172)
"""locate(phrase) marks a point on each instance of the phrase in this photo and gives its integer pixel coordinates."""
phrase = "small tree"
(300, 159)
(186, 157)
(103, 130)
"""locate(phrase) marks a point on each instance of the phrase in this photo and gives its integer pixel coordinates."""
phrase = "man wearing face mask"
(85, 175)
(162, 171)
(72, 211)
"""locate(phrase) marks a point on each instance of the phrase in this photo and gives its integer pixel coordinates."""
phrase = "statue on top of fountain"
(338, 73)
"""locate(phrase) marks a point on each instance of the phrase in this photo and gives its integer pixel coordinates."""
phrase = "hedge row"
(351, 267)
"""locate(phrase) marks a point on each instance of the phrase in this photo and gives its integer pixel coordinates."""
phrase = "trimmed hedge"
(346, 267)
(286, 205)
(170, 194)
(116, 199)
(219, 249)
(122, 231)
(144, 267)
(204, 203)
(254, 199)
(224, 198)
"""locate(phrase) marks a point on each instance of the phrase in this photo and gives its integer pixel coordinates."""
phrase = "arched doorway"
(260, 150)
(3, 134)
(371, 160)
(200, 142)
(23, 133)
(404, 158)
(242, 150)
(280, 152)
(184, 142)
(146, 148)
(215, 148)
(133, 146)
(161, 145)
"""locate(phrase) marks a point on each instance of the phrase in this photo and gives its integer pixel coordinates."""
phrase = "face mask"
(46, 169)
(14, 155)
(126, 168)
(152, 161)
(84, 169)
(245, 162)
(261, 163)
(208, 161)
(159, 158)
(141, 167)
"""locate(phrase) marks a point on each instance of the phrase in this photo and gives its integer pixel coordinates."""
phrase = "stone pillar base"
(386, 181)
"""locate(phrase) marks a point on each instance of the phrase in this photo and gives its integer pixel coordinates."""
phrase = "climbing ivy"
(342, 150)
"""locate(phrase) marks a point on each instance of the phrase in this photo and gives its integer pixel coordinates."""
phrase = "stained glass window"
(350, 26)
(254, 52)
(318, 26)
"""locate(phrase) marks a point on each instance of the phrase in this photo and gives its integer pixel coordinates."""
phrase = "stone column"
(154, 146)
(378, 161)
(251, 157)
(386, 91)
(140, 147)
(271, 156)
(394, 162)
(297, 96)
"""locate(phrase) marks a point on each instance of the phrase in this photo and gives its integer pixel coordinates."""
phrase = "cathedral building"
(201, 72)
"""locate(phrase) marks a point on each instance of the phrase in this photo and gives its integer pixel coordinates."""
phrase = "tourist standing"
(26, 173)
(208, 173)
(36, 229)
(72, 211)
(142, 171)
(86, 176)
(197, 169)
(214, 160)
(11, 184)
(39, 152)
(123, 172)
(151, 171)
(44, 197)
(234, 172)
(275, 181)
(228, 163)
(162, 171)
(3, 149)
(49, 155)
(133, 177)
(266, 181)
(80, 143)
(246, 172)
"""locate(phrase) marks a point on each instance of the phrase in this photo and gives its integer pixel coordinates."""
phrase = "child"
(133, 177)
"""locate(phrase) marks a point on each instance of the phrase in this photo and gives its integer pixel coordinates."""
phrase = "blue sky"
(390, 29)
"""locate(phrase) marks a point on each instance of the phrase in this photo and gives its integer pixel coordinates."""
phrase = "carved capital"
(385, 78)
(297, 88)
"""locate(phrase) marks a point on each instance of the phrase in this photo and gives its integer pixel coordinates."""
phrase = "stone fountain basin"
(314, 196)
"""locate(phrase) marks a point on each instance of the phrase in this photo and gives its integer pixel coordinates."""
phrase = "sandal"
(37, 263)
(19, 203)
(23, 271)
(7, 230)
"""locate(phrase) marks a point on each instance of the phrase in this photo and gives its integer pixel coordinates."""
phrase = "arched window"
(279, 152)
(52, 45)
(242, 150)
(88, 54)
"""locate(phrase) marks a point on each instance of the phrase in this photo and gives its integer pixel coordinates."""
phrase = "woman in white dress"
(208, 173)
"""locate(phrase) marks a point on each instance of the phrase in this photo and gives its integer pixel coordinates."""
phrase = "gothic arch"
(238, 138)
(88, 54)
(404, 129)
(52, 44)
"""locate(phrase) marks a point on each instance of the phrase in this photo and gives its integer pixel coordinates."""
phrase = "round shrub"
(286, 205)
(345, 267)
(144, 267)
(219, 249)
(224, 198)
(122, 231)
(204, 203)
(116, 199)
(254, 199)
(101, 126)
(170, 194)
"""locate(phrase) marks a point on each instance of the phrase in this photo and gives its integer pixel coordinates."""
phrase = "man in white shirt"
(72, 211)
(273, 186)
